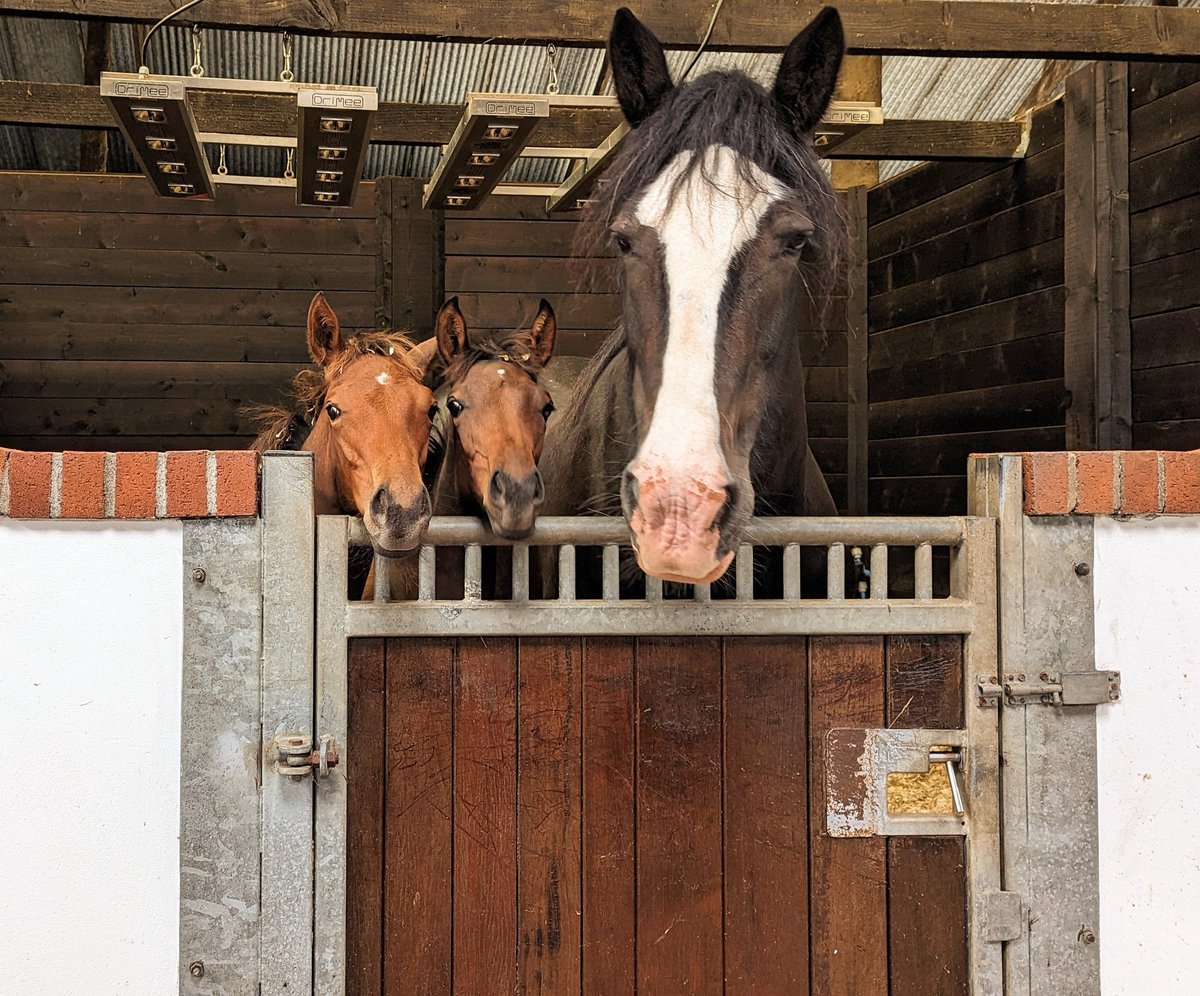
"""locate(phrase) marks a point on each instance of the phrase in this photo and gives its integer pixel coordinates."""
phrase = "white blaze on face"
(383, 378)
(702, 223)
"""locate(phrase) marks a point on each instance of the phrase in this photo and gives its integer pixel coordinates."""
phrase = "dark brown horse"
(692, 417)
(489, 436)
(365, 415)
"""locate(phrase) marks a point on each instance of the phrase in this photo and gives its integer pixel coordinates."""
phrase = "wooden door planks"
(927, 902)
(549, 759)
(419, 821)
(609, 776)
(615, 815)
(848, 885)
(765, 816)
(679, 860)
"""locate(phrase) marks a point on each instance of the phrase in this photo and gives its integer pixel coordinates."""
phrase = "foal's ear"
(422, 354)
(324, 331)
(809, 71)
(543, 331)
(450, 330)
(639, 67)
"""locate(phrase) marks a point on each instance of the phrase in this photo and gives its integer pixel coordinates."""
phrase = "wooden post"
(1096, 258)
(856, 350)
(93, 145)
(861, 78)
(410, 271)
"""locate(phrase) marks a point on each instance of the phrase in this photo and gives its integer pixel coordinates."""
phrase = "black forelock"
(723, 108)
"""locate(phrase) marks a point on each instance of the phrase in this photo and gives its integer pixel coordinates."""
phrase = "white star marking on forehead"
(383, 378)
(500, 371)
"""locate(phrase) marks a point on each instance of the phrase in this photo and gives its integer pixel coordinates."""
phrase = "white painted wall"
(90, 663)
(1147, 592)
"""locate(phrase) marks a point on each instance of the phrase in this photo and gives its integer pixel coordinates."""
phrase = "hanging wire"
(142, 67)
(704, 41)
(286, 73)
(552, 56)
(197, 69)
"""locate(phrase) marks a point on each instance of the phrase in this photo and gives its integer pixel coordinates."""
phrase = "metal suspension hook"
(289, 172)
(197, 68)
(552, 56)
(286, 74)
(222, 168)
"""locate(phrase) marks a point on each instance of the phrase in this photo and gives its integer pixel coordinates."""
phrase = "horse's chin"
(699, 577)
(393, 553)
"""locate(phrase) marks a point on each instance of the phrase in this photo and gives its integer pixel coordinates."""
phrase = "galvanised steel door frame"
(970, 611)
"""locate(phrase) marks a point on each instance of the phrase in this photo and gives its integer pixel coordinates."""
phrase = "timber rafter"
(74, 106)
(896, 27)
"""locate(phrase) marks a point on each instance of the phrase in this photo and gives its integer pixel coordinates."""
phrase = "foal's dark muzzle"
(512, 505)
(396, 527)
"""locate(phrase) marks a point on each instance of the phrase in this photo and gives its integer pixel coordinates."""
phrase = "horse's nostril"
(629, 492)
(539, 487)
(496, 487)
(721, 520)
(379, 501)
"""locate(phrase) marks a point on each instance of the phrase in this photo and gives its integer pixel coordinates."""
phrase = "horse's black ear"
(324, 331)
(639, 67)
(543, 331)
(809, 71)
(450, 329)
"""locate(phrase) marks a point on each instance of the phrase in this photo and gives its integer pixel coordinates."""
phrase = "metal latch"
(295, 756)
(1051, 688)
(857, 765)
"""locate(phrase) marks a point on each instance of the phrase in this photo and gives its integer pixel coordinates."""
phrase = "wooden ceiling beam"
(887, 27)
(71, 105)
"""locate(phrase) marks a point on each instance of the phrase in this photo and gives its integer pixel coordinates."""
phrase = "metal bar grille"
(576, 576)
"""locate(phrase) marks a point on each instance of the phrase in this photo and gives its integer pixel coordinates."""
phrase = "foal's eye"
(548, 410)
(455, 406)
(432, 412)
(794, 242)
(623, 244)
(333, 411)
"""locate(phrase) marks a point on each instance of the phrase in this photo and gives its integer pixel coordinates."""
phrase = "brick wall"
(1129, 482)
(128, 485)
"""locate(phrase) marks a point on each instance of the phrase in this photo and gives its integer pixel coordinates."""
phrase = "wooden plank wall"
(1164, 256)
(131, 322)
(965, 354)
(502, 259)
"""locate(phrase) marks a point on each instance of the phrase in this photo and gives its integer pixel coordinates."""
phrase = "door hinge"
(1051, 688)
(1001, 916)
(295, 757)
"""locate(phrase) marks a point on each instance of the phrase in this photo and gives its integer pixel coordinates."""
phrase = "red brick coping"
(1122, 482)
(128, 485)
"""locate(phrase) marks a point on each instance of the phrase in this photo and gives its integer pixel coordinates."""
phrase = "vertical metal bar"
(744, 566)
(329, 954)
(612, 572)
(288, 571)
(702, 592)
(654, 591)
(974, 580)
(427, 573)
(835, 572)
(383, 578)
(219, 839)
(923, 564)
(791, 571)
(472, 572)
(520, 572)
(566, 573)
(879, 571)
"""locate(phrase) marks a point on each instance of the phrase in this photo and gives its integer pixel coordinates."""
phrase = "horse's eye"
(794, 242)
(333, 411)
(623, 244)
(548, 410)
(455, 406)
(432, 412)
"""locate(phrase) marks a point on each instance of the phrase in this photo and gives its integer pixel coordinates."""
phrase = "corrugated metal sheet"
(50, 50)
